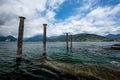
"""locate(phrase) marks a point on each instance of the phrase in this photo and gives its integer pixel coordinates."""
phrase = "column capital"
(44, 24)
(22, 17)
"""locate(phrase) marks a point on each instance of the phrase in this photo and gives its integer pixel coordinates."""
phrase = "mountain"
(56, 37)
(76, 37)
(84, 37)
(113, 36)
(7, 38)
(40, 38)
(34, 38)
(89, 37)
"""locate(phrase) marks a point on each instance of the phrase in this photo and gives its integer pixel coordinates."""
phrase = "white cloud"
(99, 20)
(50, 15)
(36, 12)
(54, 4)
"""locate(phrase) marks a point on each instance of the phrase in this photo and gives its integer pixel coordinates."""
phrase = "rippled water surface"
(91, 53)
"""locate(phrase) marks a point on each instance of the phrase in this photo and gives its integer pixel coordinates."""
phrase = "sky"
(100, 17)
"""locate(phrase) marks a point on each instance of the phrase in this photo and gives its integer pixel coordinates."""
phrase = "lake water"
(90, 53)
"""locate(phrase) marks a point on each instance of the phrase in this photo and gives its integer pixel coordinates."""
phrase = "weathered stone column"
(44, 40)
(71, 42)
(67, 41)
(20, 38)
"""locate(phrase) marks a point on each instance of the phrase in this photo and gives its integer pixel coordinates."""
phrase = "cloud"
(100, 20)
(36, 12)
(54, 4)
(1, 22)
(89, 18)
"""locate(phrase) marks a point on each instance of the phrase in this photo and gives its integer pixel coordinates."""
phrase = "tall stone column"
(71, 42)
(20, 38)
(67, 41)
(44, 40)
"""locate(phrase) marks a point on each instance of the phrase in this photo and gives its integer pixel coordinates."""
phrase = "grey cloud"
(2, 22)
(37, 13)
(6, 18)
(2, 1)
(10, 10)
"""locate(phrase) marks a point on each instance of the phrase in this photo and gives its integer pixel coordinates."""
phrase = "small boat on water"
(115, 46)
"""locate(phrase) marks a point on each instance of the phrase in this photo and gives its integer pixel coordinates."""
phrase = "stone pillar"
(71, 42)
(20, 39)
(44, 40)
(67, 41)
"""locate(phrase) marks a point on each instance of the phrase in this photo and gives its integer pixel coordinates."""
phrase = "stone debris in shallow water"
(90, 72)
(87, 72)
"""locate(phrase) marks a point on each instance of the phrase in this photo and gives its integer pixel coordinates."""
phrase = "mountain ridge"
(113, 36)
(85, 37)
(8, 38)
(76, 37)
(34, 38)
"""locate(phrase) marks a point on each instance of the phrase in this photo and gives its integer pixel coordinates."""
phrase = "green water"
(90, 53)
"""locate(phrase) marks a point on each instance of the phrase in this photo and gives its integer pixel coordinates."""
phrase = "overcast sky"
(75, 16)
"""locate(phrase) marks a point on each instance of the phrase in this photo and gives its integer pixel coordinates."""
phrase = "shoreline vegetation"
(89, 72)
